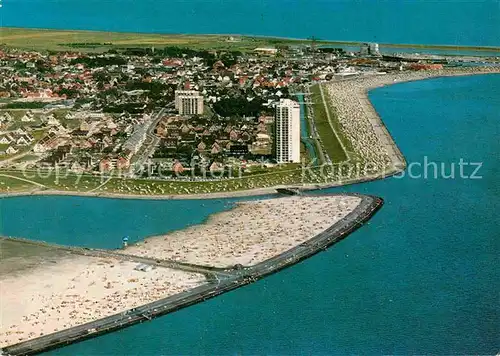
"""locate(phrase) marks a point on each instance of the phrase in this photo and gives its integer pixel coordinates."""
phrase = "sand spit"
(79, 289)
(250, 233)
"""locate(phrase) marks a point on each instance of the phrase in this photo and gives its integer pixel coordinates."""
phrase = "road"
(151, 142)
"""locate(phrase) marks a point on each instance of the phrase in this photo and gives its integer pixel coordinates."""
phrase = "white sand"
(77, 290)
(362, 126)
(250, 233)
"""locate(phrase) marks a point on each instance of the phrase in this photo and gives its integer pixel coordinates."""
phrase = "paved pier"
(231, 279)
(94, 252)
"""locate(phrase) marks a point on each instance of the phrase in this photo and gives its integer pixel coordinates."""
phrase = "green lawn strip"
(332, 146)
(317, 145)
(71, 182)
(8, 184)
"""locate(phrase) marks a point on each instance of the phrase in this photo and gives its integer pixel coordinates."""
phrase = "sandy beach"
(363, 127)
(250, 233)
(78, 289)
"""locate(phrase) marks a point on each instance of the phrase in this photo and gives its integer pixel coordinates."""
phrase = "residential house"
(177, 167)
(106, 165)
(122, 163)
(185, 128)
(201, 146)
(28, 117)
(170, 142)
(20, 131)
(45, 143)
(245, 136)
(216, 166)
(24, 140)
(6, 117)
(215, 148)
(233, 135)
(11, 150)
(5, 140)
(52, 121)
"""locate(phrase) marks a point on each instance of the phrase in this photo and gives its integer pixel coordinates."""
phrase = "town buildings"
(189, 102)
(105, 105)
(369, 49)
(287, 139)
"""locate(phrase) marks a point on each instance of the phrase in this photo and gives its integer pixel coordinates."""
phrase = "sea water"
(420, 277)
(100, 222)
(393, 21)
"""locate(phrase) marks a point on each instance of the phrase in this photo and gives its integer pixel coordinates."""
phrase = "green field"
(318, 151)
(86, 183)
(330, 142)
(94, 41)
(8, 185)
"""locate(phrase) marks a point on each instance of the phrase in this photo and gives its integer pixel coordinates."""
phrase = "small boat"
(288, 191)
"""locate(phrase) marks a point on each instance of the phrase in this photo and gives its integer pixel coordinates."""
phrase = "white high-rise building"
(287, 131)
(189, 102)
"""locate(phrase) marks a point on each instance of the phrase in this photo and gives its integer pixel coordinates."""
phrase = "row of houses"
(13, 138)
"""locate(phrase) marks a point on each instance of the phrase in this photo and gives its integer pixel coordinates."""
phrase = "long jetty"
(232, 278)
(208, 271)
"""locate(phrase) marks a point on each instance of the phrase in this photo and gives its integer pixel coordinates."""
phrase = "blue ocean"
(419, 278)
(452, 22)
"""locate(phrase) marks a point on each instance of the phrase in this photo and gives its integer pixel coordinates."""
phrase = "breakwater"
(232, 278)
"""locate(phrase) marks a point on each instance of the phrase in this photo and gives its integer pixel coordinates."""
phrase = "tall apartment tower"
(287, 131)
(189, 102)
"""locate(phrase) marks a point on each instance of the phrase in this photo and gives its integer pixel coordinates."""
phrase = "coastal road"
(149, 147)
(186, 267)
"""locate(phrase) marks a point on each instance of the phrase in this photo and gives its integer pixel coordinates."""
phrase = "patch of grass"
(26, 158)
(19, 255)
(318, 152)
(290, 174)
(330, 142)
(38, 134)
(8, 184)
(59, 40)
